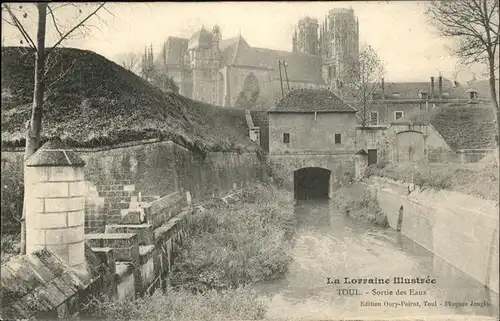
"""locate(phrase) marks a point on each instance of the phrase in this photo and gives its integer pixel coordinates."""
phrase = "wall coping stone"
(145, 253)
(460, 200)
(107, 236)
(124, 269)
(307, 153)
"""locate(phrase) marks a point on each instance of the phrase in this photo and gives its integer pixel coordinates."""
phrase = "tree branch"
(20, 27)
(76, 27)
(55, 22)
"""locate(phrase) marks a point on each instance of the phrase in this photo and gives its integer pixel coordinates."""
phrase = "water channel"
(331, 245)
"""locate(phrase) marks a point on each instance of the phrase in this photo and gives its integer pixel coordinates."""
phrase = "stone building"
(311, 137)
(231, 72)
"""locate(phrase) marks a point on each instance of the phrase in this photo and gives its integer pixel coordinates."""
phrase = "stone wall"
(341, 167)
(458, 228)
(310, 132)
(120, 178)
(374, 138)
(391, 145)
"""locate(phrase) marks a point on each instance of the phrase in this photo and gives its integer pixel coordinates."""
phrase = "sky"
(398, 30)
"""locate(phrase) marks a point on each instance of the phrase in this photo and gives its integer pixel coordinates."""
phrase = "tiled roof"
(311, 100)
(408, 90)
(174, 50)
(201, 39)
(300, 67)
(36, 283)
(462, 127)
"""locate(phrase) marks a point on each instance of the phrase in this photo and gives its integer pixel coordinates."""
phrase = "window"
(374, 118)
(338, 138)
(286, 138)
(398, 115)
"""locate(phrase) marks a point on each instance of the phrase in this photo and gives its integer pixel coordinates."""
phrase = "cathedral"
(231, 72)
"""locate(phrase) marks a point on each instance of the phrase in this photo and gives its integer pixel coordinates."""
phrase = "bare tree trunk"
(35, 125)
(494, 99)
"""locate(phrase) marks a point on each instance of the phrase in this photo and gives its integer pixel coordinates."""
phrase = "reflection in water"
(330, 244)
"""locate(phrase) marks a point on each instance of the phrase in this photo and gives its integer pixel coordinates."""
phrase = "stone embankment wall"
(130, 258)
(119, 178)
(458, 228)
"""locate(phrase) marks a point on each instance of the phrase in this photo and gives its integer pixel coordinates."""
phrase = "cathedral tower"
(306, 39)
(339, 47)
(204, 59)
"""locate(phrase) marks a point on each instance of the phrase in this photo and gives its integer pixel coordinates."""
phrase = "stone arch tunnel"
(311, 183)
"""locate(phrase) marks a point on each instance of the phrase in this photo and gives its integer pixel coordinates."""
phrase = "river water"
(331, 245)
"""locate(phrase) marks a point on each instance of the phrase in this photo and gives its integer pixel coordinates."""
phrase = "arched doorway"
(410, 146)
(311, 183)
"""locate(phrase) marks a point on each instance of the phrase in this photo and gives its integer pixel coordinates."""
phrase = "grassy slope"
(98, 103)
(477, 179)
(462, 126)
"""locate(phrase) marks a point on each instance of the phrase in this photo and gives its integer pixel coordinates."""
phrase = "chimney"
(440, 86)
(432, 88)
(473, 96)
(382, 83)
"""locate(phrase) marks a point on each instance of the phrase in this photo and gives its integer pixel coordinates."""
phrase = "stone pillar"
(55, 203)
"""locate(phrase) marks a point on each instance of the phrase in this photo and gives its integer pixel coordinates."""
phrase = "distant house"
(394, 100)
(311, 120)
(461, 133)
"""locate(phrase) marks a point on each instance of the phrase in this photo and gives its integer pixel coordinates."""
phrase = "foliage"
(279, 175)
(235, 304)
(12, 197)
(130, 61)
(359, 204)
(249, 94)
(10, 246)
(164, 82)
(363, 81)
(234, 244)
(472, 179)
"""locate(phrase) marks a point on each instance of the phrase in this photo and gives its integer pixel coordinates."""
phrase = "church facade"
(231, 72)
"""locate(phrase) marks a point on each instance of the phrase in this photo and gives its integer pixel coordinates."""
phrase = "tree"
(474, 24)
(129, 61)
(41, 56)
(164, 82)
(249, 94)
(362, 81)
(147, 66)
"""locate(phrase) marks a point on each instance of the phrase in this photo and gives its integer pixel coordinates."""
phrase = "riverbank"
(359, 204)
(232, 243)
(477, 179)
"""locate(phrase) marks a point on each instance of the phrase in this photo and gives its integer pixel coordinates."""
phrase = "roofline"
(409, 122)
(249, 67)
(298, 81)
(312, 112)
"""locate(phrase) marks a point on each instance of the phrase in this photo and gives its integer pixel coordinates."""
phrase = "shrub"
(235, 304)
(474, 179)
(11, 246)
(360, 205)
(12, 197)
(233, 244)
